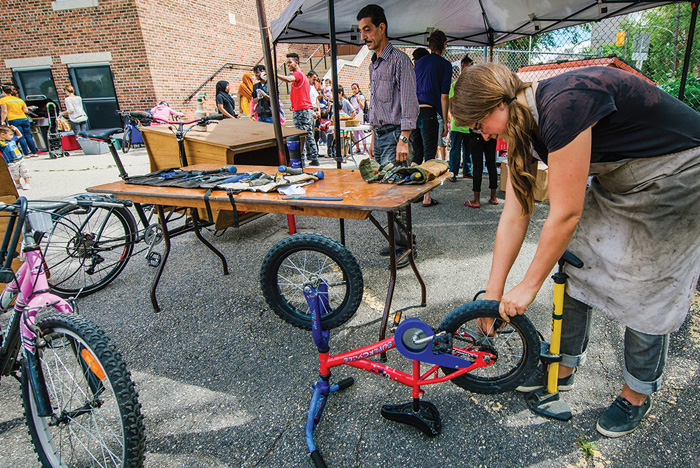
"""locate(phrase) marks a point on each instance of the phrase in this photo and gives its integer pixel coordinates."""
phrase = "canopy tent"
(465, 22)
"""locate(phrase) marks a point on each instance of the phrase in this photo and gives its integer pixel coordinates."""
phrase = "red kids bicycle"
(472, 347)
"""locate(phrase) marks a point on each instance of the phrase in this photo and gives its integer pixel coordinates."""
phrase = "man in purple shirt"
(433, 78)
(393, 90)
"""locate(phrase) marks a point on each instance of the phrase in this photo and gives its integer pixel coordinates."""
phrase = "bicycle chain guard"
(416, 340)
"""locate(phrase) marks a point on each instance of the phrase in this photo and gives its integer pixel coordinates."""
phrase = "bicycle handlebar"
(148, 117)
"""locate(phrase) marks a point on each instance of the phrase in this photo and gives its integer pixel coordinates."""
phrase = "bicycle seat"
(100, 134)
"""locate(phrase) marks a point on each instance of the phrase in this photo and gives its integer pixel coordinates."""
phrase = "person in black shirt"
(224, 102)
(261, 97)
(635, 228)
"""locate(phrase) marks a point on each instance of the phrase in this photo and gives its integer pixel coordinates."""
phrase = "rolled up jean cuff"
(639, 386)
(570, 360)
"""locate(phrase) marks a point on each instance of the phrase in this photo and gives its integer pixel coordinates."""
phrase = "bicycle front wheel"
(126, 140)
(304, 259)
(96, 418)
(477, 326)
(88, 248)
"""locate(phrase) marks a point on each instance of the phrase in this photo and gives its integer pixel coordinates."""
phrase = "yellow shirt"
(14, 107)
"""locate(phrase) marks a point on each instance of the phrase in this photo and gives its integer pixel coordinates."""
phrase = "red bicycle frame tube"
(358, 358)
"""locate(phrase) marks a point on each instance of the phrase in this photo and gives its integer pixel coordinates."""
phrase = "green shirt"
(454, 127)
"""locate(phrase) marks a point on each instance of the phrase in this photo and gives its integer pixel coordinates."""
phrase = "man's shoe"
(385, 251)
(403, 263)
(622, 417)
(452, 179)
(536, 381)
(314, 162)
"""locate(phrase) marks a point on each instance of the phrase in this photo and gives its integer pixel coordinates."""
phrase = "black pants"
(482, 149)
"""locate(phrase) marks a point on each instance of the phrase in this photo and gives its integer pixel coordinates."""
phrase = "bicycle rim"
(88, 248)
(96, 419)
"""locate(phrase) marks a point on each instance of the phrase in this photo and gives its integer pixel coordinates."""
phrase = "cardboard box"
(541, 188)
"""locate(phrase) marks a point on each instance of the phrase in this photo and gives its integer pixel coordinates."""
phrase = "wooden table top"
(359, 197)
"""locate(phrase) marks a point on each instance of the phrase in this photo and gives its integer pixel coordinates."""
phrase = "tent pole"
(334, 72)
(688, 50)
(272, 81)
(274, 96)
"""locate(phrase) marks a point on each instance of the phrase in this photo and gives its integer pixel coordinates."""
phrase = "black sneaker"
(536, 381)
(622, 417)
(403, 263)
(314, 162)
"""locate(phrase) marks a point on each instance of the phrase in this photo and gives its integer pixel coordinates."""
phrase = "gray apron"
(639, 239)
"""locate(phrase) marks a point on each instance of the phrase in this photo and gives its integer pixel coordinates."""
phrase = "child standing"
(9, 135)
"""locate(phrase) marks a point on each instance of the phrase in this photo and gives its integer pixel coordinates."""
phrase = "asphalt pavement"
(225, 383)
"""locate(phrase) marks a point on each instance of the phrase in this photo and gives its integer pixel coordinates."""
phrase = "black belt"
(384, 129)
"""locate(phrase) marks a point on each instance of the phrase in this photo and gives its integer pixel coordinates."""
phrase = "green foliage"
(588, 448)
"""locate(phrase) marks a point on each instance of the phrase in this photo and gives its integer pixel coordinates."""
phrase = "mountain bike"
(96, 235)
(80, 404)
(314, 282)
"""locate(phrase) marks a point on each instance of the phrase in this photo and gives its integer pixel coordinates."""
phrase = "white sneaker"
(26, 187)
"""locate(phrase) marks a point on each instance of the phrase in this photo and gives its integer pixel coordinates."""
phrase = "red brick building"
(130, 54)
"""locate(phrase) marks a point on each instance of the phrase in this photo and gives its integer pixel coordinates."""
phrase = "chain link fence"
(651, 43)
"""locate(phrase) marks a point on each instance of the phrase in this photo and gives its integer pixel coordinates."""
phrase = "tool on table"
(180, 174)
(297, 197)
(292, 171)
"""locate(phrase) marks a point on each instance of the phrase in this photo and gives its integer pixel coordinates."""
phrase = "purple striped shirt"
(393, 90)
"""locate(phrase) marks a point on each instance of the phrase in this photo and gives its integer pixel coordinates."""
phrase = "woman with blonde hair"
(75, 110)
(635, 228)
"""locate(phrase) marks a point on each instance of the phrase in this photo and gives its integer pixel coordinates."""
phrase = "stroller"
(53, 136)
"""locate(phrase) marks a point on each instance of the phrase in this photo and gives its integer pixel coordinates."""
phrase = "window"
(36, 82)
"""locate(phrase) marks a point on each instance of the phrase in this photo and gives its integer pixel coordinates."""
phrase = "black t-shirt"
(634, 118)
(263, 107)
(228, 102)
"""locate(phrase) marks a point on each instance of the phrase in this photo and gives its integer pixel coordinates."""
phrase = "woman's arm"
(568, 174)
(3, 113)
(223, 111)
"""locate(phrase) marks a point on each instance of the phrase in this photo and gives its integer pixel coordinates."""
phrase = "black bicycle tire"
(124, 392)
(126, 140)
(338, 253)
(126, 219)
(521, 324)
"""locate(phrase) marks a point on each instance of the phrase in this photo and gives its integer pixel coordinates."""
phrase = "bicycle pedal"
(153, 259)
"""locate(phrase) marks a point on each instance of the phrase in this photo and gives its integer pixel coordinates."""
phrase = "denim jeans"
(267, 119)
(304, 120)
(78, 127)
(425, 137)
(24, 127)
(385, 146)
(481, 149)
(645, 355)
(459, 153)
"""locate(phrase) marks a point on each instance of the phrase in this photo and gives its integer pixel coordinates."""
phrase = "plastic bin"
(92, 146)
(69, 142)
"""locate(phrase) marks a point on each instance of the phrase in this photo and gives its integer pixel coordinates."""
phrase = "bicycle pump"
(200, 112)
(546, 401)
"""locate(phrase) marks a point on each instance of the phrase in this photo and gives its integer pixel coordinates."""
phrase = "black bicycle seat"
(100, 134)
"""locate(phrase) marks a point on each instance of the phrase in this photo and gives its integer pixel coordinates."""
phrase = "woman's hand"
(515, 301)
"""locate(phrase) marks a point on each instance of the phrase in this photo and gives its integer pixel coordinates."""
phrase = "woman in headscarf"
(224, 102)
(635, 228)
(245, 94)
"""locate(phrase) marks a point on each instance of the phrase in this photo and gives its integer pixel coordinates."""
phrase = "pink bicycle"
(80, 404)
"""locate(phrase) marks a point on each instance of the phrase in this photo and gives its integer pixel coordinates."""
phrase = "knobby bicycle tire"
(126, 140)
(515, 344)
(96, 417)
(310, 258)
(88, 248)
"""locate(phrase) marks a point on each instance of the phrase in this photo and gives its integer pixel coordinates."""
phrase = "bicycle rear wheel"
(126, 139)
(96, 418)
(88, 248)
(516, 345)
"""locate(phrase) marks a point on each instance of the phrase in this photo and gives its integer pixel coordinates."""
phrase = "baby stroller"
(53, 136)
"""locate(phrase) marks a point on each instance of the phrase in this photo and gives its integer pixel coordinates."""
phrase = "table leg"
(164, 258)
(195, 225)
